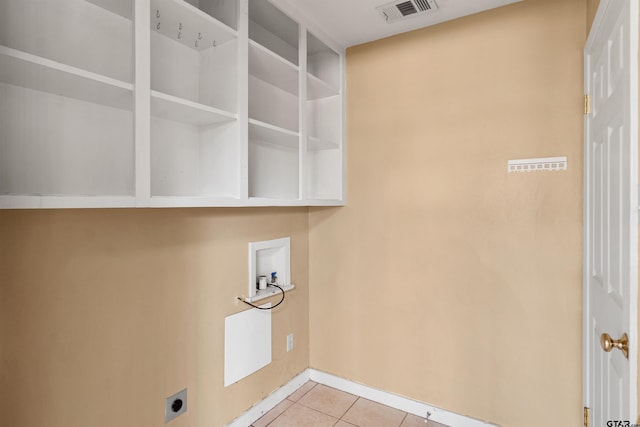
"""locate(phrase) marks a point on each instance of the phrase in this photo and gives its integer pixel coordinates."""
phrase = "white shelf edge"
(230, 202)
(272, 136)
(122, 8)
(269, 292)
(319, 86)
(270, 201)
(217, 115)
(78, 202)
(265, 50)
(320, 144)
(325, 202)
(28, 71)
(274, 128)
(156, 201)
(58, 66)
(10, 201)
(192, 104)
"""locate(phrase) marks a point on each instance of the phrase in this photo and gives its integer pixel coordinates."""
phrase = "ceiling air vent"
(402, 9)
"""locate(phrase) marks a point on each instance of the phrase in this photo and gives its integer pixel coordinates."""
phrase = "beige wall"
(104, 313)
(446, 279)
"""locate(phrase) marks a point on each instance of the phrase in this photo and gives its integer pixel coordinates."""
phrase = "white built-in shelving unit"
(324, 121)
(274, 119)
(66, 105)
(195, 139)
(162, 103)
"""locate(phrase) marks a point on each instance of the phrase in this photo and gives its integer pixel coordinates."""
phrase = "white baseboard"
(393, 400)
(269, 402)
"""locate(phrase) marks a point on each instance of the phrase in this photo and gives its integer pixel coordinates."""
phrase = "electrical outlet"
(175, 405)
(289, 342)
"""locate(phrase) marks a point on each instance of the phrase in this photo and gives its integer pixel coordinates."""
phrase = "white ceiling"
(352, 22)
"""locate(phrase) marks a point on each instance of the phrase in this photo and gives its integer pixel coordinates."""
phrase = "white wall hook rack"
(539, 164)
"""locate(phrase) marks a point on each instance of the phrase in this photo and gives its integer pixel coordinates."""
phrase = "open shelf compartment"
(195, 132)
(194, 25)
(273, 162)
(273, 69)
(202, 76)
(195, 161)
(66, 102)
(72, 147)
(77, 34)
(323, 65)
(273, 29)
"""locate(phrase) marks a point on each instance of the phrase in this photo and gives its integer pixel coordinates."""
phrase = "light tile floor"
(316, 405)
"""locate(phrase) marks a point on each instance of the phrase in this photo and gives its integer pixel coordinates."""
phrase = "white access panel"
(247, 343)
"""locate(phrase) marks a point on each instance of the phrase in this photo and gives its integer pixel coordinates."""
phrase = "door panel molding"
(610, 229)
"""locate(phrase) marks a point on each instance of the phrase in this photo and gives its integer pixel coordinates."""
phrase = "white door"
(611, 214)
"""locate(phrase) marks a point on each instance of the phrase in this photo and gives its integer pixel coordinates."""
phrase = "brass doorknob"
(609, 344)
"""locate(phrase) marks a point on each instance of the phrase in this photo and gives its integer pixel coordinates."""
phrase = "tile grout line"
(349, 408)
(307, 392)
(312, 409)
(319, 411)
(406, 414)
(282, 413)
(293, 402)
(322, 412)
(273, 420)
